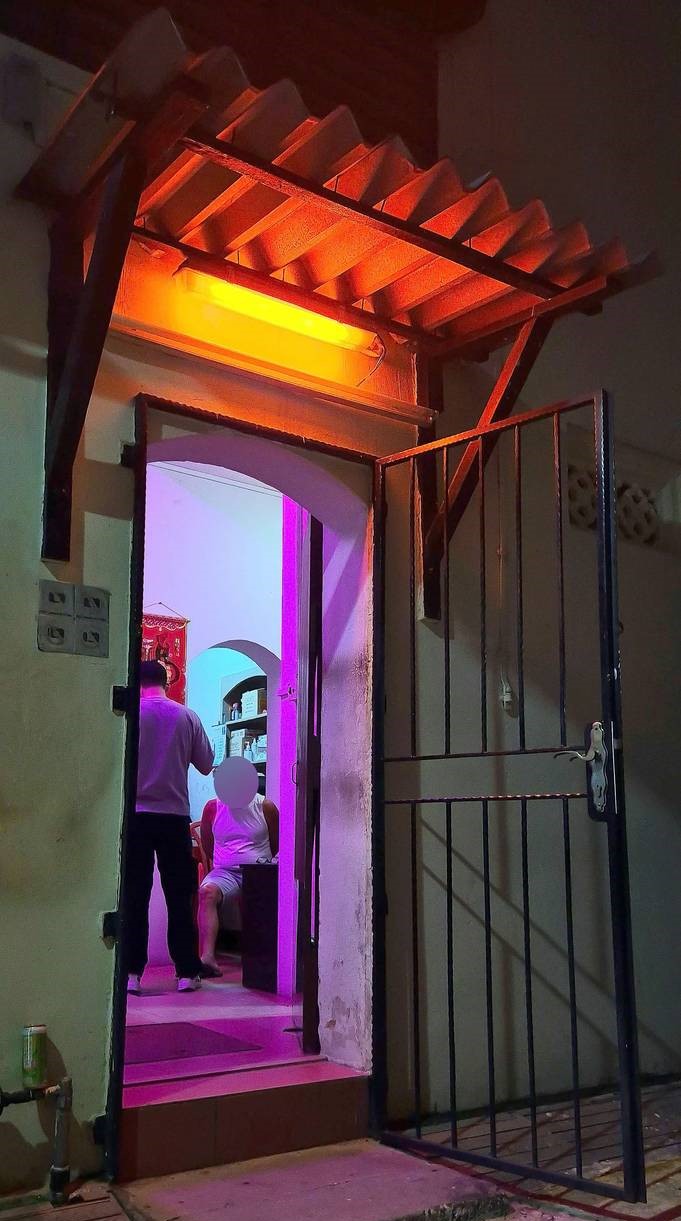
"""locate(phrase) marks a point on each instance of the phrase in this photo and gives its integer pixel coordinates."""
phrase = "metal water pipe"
(60, 1170)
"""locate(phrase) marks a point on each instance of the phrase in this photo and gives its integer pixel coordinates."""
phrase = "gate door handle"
(595, 756)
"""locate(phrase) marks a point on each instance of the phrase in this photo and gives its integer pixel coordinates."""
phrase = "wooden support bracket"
(462, 485)
(73, 364)
(79, 310)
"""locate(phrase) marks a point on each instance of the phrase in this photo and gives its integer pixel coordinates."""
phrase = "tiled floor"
(270, 1022)
(601, 1138)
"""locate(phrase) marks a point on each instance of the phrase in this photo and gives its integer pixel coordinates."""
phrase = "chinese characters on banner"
(164, 639)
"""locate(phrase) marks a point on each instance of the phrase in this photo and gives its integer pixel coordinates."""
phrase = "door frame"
(126, 699)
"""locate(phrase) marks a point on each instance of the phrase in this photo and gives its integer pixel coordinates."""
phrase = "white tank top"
(240, 835)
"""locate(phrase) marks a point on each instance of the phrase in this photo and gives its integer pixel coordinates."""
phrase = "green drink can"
(34, 1057)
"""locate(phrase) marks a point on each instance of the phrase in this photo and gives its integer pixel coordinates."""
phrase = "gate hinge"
(121, 699)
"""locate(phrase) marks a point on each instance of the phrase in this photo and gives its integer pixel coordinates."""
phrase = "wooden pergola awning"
(304, 208)
(181, 151)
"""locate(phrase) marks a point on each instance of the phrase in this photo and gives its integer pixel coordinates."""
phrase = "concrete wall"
(213, 552)
(208, 675)
(60, 785)
(649, 708)
(61, 788)
(578, 104)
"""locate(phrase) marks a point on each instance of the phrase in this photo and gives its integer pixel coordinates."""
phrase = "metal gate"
(504, 972)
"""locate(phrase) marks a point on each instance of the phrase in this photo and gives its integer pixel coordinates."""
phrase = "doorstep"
(167, 1127)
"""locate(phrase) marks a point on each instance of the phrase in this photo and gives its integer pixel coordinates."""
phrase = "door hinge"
(121, 699)
(110, 926)
(129, 453)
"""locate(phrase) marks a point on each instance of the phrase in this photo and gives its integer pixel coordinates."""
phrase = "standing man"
(171, 738)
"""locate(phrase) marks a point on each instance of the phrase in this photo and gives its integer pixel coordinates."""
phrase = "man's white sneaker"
(135, 985)
(189, 985)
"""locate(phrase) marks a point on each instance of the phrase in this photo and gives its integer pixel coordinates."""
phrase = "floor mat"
(177, 1041)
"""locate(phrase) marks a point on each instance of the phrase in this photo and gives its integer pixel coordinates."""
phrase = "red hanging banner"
(164, 639)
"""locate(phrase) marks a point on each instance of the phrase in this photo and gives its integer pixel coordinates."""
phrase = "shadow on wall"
(23, 1161)
(651, 805)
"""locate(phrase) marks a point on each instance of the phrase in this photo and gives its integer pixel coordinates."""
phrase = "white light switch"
(92, 638)
(56, 634)
(91, 603)
(56, 598)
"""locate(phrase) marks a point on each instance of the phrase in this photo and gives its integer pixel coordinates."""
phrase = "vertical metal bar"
(445, 610)
(450, 975)
(416, 1007)
(412, 606)
(529, 1017)
(519, 585)
(623, 955)
(489, 982)
(572, 984)
(558, 494)
(483, 601)
(379, 1077)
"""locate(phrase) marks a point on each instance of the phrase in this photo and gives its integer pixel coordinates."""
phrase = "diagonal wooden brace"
(462, 485)
(80, 358)
(79, 313)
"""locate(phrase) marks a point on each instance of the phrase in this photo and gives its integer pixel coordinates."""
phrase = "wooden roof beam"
(295, 186)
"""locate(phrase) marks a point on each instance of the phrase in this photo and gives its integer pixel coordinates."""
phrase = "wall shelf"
(259, 721)
(257, 724)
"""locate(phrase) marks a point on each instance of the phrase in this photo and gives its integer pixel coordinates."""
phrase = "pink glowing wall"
(213, 552)
(288, 891)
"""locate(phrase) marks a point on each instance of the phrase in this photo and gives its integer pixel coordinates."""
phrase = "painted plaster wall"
(601, 143)
(213, 554)
(577, 104)
(206, 676)
(649, 692)
(60, 780)
(209, 675)
(61, 791)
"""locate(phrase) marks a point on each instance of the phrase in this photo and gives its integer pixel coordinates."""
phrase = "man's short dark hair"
(153, 674)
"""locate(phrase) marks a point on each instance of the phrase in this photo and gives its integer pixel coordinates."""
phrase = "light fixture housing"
(228, 293)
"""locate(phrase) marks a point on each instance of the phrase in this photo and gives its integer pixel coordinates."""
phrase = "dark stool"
(260, 926)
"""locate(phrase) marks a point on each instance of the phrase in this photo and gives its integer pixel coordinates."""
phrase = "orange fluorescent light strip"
(283, 314)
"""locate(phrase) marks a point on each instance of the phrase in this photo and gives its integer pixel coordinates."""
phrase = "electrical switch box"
(56, 633)
(56, 598)
(91, 638)
(91, 603)
(73, 619)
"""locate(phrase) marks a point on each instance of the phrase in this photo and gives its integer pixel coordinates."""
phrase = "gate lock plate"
(596, 757)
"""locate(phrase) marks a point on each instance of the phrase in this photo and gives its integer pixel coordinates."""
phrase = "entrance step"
(354, 1181)
(175, 1126)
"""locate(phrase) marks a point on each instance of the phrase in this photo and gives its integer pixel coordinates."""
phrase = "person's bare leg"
(210, 898)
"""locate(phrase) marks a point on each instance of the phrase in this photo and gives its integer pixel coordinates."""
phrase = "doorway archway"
(338, 494)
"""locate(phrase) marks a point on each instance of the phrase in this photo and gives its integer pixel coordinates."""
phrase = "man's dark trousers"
(166, 836)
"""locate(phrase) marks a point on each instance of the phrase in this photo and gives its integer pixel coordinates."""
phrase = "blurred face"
(236, 782)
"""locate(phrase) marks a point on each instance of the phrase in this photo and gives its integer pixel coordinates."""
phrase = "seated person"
(231, 837)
